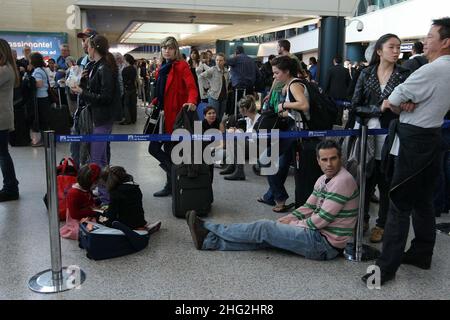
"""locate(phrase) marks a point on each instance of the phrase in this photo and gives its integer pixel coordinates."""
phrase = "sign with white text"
(45, 43)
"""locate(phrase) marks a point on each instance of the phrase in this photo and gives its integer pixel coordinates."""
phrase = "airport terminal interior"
(171, 268)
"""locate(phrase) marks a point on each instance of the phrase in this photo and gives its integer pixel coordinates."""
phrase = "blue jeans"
(100, 151)
(101, 155)
(277, 191)
(220, 106)
(265, 234)
(10, 183)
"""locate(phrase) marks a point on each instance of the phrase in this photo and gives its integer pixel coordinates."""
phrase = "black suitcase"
(191, 189)
(20, 137)
(59, 118)
(191, 183)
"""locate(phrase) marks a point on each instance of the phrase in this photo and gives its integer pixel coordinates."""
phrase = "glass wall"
(367, 6)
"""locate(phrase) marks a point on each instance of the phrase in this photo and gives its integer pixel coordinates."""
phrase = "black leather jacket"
(100, 93)
(368, 93)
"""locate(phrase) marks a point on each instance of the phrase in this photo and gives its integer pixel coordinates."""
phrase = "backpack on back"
(322, 109)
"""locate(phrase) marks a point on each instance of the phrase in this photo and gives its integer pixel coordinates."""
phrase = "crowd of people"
(409, 100)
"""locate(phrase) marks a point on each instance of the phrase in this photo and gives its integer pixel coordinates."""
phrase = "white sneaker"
(153, 227)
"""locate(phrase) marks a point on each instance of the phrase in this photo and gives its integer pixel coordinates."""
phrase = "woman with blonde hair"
(175, 89)
(9, 79)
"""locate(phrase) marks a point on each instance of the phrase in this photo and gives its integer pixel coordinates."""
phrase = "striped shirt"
(332, 209)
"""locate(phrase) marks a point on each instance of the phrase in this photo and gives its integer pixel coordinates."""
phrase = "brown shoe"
(376, 235)
(198, 231)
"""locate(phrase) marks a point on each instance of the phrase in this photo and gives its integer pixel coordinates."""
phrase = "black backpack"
(322, 109)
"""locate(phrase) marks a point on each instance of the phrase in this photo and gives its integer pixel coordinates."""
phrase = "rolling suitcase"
(191, 183)
(191, 189)
(59, 118)
(20, 137)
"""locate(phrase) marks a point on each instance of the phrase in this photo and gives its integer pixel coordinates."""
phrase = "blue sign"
(45, 43)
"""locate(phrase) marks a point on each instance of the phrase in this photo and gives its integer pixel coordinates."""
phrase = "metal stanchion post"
(357, 251)
(56, 279)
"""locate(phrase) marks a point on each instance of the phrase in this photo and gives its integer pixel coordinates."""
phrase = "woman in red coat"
(175, 89)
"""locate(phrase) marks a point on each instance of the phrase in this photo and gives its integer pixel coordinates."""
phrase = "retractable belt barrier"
(59, 278)
(168, 137)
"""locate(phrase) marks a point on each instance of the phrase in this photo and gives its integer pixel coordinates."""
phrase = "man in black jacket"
(417, 59)
(337, 83)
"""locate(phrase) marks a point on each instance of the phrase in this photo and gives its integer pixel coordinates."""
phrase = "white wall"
(408, 20)
(308, 41)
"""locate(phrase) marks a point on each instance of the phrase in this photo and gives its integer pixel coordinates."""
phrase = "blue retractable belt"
(168, 137)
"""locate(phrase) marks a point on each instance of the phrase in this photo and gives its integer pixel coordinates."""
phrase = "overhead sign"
(406, 47)
(47, 44)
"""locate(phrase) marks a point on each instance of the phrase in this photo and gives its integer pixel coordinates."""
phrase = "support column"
(331, 44)
(224, 47)
(355, 52)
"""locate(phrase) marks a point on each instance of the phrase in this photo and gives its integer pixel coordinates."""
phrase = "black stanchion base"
(368, 253)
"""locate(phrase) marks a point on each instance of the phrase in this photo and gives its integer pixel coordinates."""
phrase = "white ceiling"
(117, 23)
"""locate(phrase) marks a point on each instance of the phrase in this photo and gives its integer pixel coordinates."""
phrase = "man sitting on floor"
(318, 230)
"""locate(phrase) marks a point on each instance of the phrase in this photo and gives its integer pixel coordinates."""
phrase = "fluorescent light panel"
(139, 32)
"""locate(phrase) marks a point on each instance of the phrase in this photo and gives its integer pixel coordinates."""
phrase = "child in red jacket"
(80, 200)
(81, 203)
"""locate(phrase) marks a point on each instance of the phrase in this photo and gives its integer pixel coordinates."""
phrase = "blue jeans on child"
(10, 183)
(265, 234)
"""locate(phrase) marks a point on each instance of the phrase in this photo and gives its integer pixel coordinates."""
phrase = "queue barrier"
(58, 278)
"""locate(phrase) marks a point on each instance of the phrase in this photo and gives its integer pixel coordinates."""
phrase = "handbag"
(52, 94)
(153, 121)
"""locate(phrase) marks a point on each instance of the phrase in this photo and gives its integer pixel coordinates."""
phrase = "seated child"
(125, 201)
(81, 203)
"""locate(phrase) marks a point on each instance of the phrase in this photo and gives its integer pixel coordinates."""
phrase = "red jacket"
(180, 89)
(80, 203)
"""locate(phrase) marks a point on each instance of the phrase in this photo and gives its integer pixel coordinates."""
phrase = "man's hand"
(190, 106)
(286, 219)
(408, 106)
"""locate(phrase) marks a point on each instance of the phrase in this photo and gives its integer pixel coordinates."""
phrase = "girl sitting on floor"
(125, 201)
(81, 203)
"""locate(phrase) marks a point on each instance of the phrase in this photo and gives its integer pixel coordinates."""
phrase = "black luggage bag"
(60, 119)
(191, 189)
(20, 137)
(191, 183)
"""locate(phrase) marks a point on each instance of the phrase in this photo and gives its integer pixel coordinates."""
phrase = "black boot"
(422, 262)
(228, 169)
(238, 174)
(167, 190)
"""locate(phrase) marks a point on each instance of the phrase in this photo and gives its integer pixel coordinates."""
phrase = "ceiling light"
(157, 31)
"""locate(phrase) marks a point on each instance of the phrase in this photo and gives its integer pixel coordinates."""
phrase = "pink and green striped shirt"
(332, 208)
